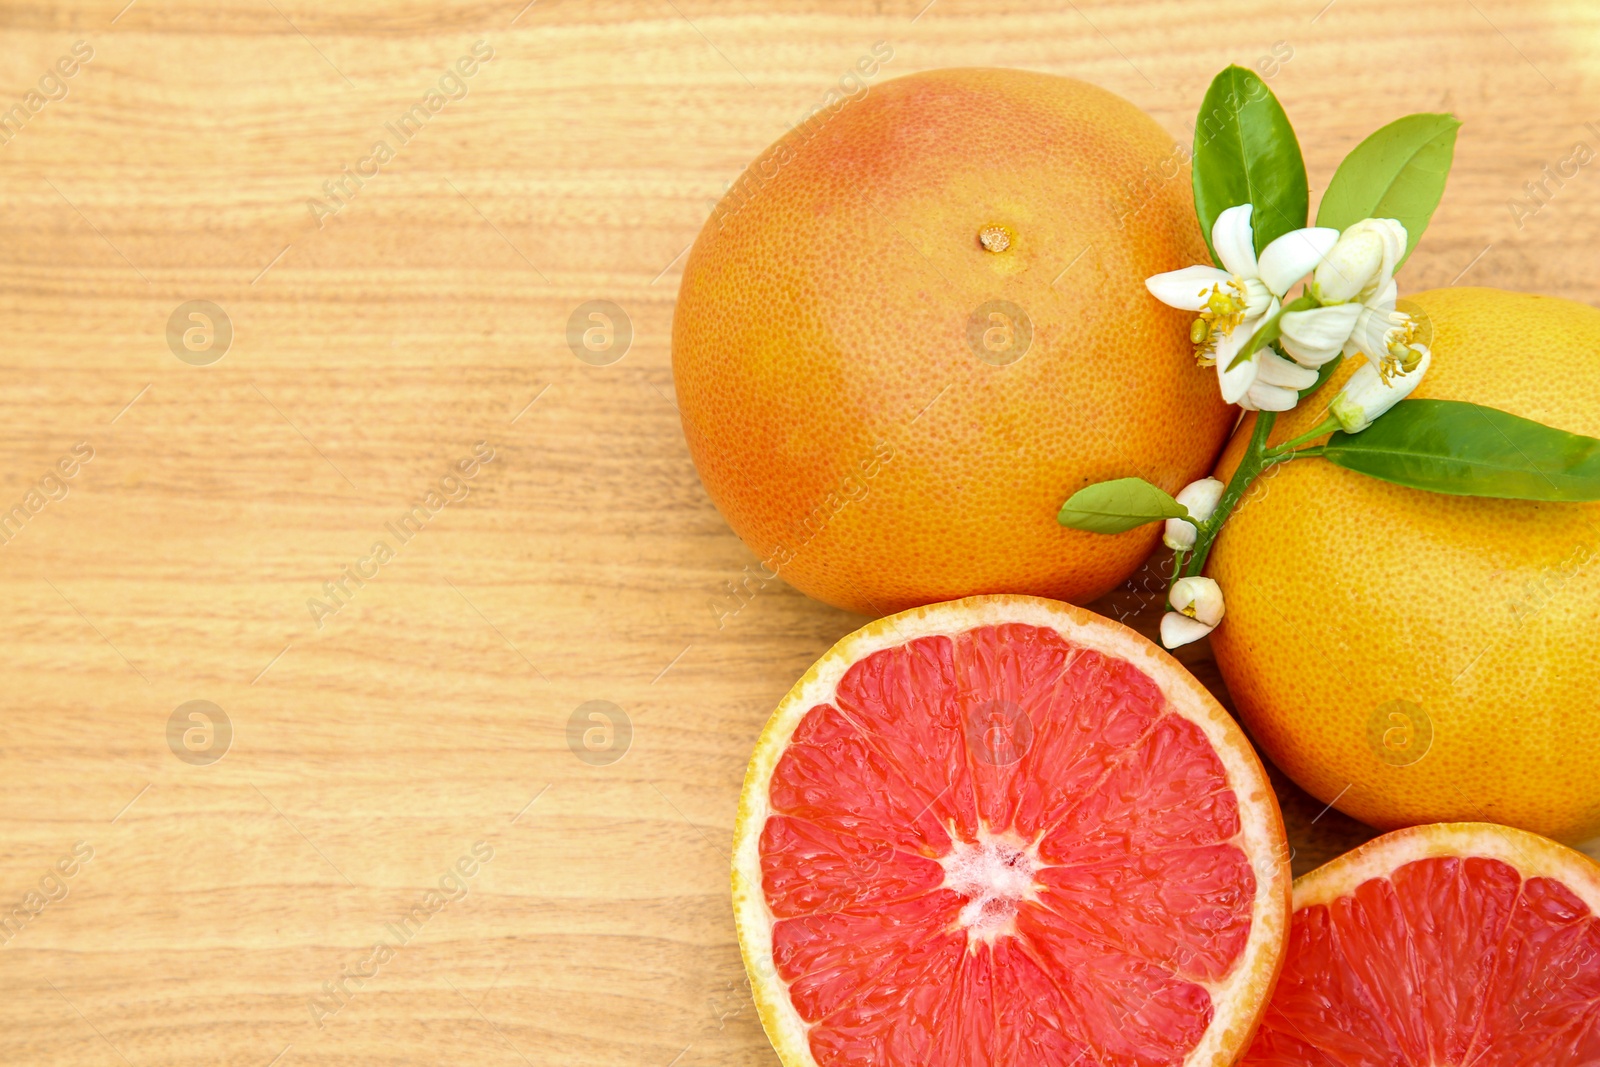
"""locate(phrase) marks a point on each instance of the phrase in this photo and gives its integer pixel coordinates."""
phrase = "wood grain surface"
(169, 907)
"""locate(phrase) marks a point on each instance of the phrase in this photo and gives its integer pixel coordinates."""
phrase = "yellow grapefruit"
(1411, 657)
(919, 323)
(1005, 830)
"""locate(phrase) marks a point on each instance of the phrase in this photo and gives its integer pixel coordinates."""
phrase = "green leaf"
(1245, 152)
(1397, 173)
(1118, 506)
(1447, 446)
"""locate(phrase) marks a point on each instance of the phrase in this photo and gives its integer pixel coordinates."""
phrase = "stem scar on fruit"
(995, 238)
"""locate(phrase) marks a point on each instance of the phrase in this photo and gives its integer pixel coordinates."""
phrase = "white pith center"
(994, 874)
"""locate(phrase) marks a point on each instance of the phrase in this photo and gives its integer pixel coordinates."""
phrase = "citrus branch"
(1326, 426)
(1252, 463)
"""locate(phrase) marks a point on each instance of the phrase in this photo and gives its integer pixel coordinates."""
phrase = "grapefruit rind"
(1238, 1000)
(1529, 854)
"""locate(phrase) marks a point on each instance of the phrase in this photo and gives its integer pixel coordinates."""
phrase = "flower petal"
(1201, 497)
(1235, 241)
(1384, 299)
(1273, 369)
(1316, 336)
(1273, 397)
(1258, 299)
(1371, 332)
(1370, 337)
(1185, 289)
(1393, 233)
(1197, 597)
(1179, 535)
(1294, 255)
(1177, 629)
(1235, 383)
(1352, 266)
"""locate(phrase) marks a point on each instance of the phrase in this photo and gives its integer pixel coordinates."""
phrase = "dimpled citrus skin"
(836, 412)
(1344, 593)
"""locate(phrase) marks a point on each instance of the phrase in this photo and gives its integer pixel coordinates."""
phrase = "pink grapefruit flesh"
(1005, 830)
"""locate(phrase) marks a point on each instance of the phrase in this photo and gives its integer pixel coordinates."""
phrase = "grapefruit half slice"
(1005, 830)
(1441, 946)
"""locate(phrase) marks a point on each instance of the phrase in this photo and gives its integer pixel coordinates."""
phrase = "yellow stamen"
(1221, 315)
(1401, 358)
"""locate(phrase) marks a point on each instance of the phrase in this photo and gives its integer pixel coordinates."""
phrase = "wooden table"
(224, 911)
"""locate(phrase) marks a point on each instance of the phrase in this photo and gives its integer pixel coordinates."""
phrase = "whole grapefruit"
(918, 323)
(1411, 657)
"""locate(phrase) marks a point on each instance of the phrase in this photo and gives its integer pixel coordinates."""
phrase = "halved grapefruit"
(1006, 830)
(1446, 945)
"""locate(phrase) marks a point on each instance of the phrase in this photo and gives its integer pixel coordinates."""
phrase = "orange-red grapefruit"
(919, 323)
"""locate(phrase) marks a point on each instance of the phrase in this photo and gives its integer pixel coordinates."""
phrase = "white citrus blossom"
(1201, 499)
(1374, 388)
(1232, 301)
(1353, 278)
(1196, 610)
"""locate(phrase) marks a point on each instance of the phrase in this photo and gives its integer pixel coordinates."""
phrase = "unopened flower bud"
(1364, 258)
(1201, 499)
